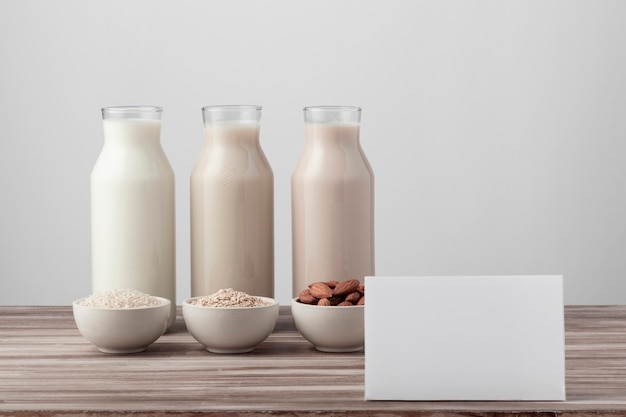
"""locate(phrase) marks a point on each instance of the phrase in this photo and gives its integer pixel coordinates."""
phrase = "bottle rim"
(133, 109)
(231, 113)
(132, 112)
(232, 108)
(326, 108)
(332, 114)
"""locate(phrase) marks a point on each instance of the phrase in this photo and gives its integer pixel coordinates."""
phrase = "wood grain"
(48, 369)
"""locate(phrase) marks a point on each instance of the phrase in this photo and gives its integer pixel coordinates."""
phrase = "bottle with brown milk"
(332, 196)
(132, 207)
(232, 206)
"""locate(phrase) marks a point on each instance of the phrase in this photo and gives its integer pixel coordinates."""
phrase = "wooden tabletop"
(48, 369)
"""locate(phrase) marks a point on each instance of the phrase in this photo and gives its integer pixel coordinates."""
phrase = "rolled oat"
(228, 297)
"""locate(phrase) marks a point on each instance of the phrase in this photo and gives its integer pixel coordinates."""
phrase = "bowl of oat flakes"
(121, 320)
(230, 321)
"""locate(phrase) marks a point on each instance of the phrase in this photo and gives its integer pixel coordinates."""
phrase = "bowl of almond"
(329, 314)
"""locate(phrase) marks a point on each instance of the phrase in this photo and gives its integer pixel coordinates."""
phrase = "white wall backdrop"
(496, 129)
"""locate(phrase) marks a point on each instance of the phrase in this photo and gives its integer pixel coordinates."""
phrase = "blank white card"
(464, 338)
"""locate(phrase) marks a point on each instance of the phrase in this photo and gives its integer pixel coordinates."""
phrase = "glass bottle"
(232, 206)
(132, 207)
(332, 200)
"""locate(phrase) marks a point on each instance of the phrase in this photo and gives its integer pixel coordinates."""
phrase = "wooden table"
(48, 369)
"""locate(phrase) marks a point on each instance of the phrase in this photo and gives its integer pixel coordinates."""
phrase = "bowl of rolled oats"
(230, 321)
(121, 320)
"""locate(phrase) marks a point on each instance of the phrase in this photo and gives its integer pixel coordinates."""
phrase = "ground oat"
(229, 298)
(120, 298)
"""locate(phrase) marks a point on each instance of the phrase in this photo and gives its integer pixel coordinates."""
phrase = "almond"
(362, 288)
(335, 300)
(345, 304)
(323, 302)
(306, 297)
(353, 297)
(361, 301)
(332, 283)
(320, 290)
(346, 287)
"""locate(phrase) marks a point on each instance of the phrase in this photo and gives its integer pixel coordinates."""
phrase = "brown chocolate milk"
(232, 212)
(332, 205)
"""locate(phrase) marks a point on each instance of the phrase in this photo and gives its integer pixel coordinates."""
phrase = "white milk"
(332, 189)
(132, 212)
(232, 212)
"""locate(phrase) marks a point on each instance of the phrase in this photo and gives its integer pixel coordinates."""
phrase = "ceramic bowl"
(122, 330)
(330, 328)
(230, 329)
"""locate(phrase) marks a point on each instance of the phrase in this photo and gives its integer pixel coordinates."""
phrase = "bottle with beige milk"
(332, 200)
(132, 207)
(232, 206)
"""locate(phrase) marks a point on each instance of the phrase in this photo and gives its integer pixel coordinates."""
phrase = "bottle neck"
(240, 134)
(332, 135)
(132, 132)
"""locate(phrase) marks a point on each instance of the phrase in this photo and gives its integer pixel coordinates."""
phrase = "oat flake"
(229, 298)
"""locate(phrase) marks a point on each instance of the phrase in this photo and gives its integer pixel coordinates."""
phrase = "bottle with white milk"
(332, 200)
(132, 207)
(232, 206)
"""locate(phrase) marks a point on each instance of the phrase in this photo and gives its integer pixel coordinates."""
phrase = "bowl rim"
(186, 303)
(305, 305)
(164, 302)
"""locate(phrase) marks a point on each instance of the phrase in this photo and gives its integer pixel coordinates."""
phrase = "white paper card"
(464, 338)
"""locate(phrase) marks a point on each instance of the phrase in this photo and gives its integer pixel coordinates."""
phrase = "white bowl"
(330, 328)
(122, 330)
(230, 329)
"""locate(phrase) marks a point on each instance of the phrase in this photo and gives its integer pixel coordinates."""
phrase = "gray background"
(496, 129)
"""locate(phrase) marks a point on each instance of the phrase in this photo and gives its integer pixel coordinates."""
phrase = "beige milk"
(332, 207)
(132, 212)
(232, 212)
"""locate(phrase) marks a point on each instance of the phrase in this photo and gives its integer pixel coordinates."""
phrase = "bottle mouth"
(232, 108)
(232, 113)
(333, 108)
(132, 112)
(332, 114)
